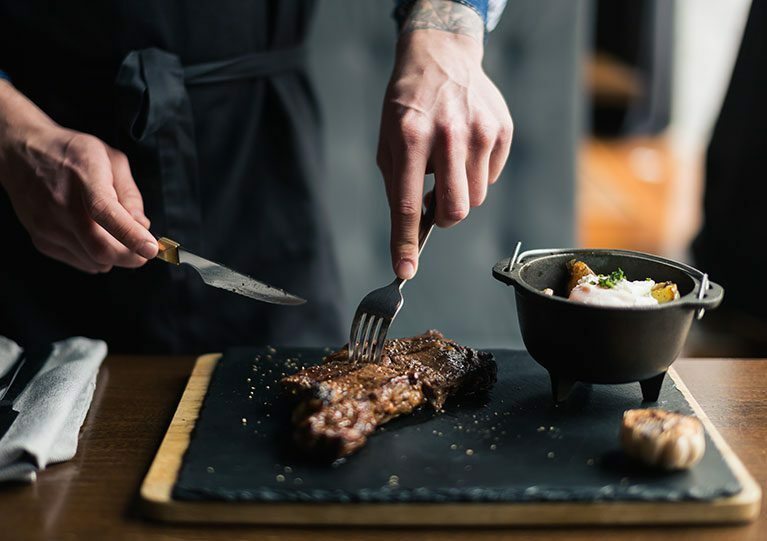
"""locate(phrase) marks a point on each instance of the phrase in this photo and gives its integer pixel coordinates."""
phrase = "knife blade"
(25, 371)
(217, 275)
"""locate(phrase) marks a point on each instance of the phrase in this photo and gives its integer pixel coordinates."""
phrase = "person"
(120, 122)
(729, 245)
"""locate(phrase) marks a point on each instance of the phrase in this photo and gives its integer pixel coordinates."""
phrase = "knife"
(18, 378)
(222, 277)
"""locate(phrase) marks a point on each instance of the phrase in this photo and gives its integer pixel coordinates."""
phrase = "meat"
(340, 403)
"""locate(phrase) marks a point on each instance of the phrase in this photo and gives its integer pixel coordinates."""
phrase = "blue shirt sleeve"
(4, 75)
(489, 10)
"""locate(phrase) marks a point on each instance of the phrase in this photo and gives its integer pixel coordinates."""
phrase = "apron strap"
(157, 115)
(249, 66)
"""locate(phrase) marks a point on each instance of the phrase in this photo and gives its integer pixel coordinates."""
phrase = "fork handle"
(427, 222)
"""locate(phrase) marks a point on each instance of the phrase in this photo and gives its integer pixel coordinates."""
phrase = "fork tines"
(367, 336)
(379, 307)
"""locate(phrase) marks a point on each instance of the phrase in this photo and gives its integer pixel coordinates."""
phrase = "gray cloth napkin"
(51, 409)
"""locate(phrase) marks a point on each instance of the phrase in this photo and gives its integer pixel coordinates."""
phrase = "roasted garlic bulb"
(662, 439)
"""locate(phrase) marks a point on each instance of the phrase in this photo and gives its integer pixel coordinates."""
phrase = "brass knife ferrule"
(168, 250)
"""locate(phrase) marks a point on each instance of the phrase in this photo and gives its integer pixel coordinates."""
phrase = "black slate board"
(512, 445)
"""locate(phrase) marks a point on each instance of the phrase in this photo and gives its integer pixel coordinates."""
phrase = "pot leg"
(560, 388)
(651, 387)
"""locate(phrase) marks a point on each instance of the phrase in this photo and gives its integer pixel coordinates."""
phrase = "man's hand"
(441, 114)
(74, 194)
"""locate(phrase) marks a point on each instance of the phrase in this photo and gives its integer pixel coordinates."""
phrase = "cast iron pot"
(579, 342)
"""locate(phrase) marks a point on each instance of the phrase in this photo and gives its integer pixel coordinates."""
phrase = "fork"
(378, 308)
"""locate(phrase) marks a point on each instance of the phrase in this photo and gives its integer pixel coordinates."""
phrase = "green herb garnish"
(611, 280)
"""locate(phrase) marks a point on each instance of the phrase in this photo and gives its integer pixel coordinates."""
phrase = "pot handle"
(708, 296)
(502, 270)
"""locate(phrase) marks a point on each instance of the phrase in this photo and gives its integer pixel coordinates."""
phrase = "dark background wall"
(534, 56)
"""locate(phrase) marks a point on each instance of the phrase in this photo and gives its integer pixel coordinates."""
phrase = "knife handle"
(168, 250)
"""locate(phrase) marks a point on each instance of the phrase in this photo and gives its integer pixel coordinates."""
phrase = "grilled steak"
(340, 403)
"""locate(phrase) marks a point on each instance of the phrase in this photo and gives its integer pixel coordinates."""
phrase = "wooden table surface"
(94, 496)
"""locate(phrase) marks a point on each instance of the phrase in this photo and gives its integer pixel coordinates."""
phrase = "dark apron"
(731, 244)
(211, 104)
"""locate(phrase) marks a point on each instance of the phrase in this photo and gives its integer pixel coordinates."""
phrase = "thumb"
(104, 207)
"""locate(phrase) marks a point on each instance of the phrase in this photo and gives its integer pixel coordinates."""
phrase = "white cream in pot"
(622, 293)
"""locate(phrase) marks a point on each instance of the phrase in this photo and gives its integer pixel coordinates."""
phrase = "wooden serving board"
(297, 505)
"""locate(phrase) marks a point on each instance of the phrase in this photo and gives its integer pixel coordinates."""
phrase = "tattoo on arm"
(445, 15)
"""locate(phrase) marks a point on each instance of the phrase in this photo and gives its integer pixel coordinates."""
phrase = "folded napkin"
(51, 409)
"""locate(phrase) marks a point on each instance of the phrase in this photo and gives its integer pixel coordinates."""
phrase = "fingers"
(80, 204)
(478, 166)
(65, 256)
(451, 183)
(383, 160)
(465, 162)
(99, 245)
(406, 188)
(103, 206)
(102, 248)
(65, 253)
(501, 148)
(465, 142)
(125, 186)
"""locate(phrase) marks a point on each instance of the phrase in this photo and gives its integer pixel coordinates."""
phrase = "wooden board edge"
(749, 499)
(443, 515)
(158, 484)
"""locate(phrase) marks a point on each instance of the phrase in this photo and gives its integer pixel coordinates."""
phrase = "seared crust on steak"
(340, 403)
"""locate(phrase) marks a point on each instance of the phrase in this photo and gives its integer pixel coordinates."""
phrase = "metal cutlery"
(217, 275)
(378, 308)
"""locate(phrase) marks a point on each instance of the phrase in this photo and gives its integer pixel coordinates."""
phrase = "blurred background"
(613, 104)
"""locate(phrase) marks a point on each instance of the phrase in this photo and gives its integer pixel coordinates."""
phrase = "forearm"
(441, 36)
(19, 119)
(17, 112)
(444, 15)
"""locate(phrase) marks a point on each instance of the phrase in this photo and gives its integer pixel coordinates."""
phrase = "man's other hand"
(74, 194)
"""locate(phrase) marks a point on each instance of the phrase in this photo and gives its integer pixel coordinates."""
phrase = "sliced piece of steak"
(340, 403)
